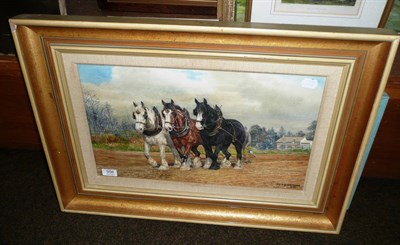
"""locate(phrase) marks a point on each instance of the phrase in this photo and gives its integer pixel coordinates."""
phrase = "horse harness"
(219, 126)
(185, 130)
(158, 123)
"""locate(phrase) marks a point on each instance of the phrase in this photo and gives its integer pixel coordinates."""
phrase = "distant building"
(305, 144)
(292, 143)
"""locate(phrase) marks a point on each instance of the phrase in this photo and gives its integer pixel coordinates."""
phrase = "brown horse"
(184, 134)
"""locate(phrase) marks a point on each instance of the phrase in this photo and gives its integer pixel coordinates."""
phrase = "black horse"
(217, 131)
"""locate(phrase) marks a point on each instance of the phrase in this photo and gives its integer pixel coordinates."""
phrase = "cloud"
(269, 100)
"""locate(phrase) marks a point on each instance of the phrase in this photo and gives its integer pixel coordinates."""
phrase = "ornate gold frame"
(368, 52)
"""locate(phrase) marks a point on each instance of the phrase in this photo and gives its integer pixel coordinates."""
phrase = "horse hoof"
(154, 164)
(177, 164)
(238, 165)
(185, 168)
(163, 167)
(226, 163)
(208, 163)
(214, 167)
(196, 162)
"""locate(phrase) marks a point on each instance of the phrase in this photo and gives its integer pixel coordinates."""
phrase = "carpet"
(30, 215)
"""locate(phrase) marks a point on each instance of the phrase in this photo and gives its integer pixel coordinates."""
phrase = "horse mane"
(205, 107)
(173, 106)
(156, 120)
(219, 111)
(179, 108)
(152, 113)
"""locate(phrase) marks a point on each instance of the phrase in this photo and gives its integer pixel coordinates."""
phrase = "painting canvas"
(323, 2)
(279, 113)
(343, 8)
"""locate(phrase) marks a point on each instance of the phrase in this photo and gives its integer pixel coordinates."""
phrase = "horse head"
(140, 114)
(173, 116)
(206, 116)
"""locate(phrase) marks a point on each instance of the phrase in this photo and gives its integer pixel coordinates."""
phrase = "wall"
(17, 124)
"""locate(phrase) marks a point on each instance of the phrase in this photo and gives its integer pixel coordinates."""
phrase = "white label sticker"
(309, 83)
(109, 172)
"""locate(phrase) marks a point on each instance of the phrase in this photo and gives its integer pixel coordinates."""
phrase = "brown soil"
(264, 170)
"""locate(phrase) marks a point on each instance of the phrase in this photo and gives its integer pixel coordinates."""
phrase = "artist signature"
(287, 186)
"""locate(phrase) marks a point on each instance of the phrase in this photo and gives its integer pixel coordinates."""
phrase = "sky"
(269, 100)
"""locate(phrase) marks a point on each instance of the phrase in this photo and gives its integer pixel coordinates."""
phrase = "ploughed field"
(261, 170)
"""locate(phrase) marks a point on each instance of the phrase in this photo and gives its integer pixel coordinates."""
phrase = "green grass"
(140, 148)
(286, 152)
(394, 17)
(240, 13)
(118, 147)
(135, 142)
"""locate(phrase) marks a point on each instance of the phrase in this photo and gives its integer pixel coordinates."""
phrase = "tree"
(99, 115)
(92, 107)
(270, 140)
(300, 134)
(290, 134)
(109, 122)
(282, 132)
(311, 130)
(256, 133)
(127, 127)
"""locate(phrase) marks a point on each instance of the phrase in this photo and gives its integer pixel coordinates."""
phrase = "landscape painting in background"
(350, 13)
(327, 8)
(279, 111)
(323, 2)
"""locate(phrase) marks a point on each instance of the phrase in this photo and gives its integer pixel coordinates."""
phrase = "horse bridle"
(145, 116)
(216, 129)
(158, 122)
(172, 122)
(185, 128)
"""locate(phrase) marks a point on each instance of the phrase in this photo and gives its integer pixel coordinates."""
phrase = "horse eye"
(195, 112)
(133, 115)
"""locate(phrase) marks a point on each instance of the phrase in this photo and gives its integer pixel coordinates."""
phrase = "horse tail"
(247, 140)
(246, 144)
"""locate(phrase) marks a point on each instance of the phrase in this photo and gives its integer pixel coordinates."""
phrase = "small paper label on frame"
(109, 172)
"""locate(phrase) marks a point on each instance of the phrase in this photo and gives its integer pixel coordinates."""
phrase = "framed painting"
(350, 13)
(228, 124)
(223, 10)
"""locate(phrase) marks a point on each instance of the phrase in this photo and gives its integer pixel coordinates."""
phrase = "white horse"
(149, 124)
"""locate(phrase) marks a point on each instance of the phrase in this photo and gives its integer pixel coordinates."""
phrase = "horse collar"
(158, 124)
(186, 128)
(216, 129)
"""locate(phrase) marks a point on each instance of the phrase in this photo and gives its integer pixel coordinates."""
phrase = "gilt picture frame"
(349, 13)
(290, 109)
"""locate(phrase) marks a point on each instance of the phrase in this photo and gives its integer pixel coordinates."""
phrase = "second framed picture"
(351, 13)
